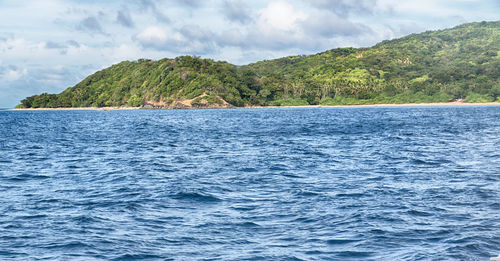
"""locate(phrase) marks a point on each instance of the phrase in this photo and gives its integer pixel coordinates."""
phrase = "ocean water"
(409, 183)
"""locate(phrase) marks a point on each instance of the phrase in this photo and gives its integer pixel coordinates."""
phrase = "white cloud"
(19, 48)
(282, 26)
(152, 36)
(326, 25)
(277, 27)
(280, 16)
(126, 52)
(187, 40)
(14, 74)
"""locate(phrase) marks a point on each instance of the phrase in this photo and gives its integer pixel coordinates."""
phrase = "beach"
(439, 104)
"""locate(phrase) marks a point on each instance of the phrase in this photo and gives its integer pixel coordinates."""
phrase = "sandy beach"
(264, 107)
(388, 105)
(76, 109)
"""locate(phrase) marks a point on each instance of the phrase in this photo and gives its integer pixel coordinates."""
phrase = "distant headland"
(458, 66)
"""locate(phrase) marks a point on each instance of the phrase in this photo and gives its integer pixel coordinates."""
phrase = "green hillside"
(435, 66)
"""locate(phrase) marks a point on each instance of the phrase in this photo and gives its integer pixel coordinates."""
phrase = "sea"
(384, 183)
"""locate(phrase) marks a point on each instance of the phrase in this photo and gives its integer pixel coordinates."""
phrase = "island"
(461, 64)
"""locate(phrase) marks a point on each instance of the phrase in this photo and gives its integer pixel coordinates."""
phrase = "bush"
(135, 101)
(479, 98)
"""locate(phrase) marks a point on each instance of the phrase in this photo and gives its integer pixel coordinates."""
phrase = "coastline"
(76, 109)
(440, 104)
(435, 104)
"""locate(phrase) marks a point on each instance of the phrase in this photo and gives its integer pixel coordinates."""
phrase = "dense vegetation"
(435, 66)
(162, 82)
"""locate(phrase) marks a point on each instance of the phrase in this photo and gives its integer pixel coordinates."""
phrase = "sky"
(50, 45)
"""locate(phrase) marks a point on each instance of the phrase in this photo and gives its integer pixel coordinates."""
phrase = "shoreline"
(435, 104)
(76, 109)
(438, 104)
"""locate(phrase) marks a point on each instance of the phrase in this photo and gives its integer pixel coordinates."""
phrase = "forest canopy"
(434, 66)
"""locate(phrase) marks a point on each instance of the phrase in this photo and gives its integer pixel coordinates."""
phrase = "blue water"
(406, 183)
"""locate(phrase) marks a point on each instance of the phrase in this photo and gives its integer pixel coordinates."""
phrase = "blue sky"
(49, 45)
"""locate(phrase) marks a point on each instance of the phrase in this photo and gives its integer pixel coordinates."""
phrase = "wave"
(195, 196)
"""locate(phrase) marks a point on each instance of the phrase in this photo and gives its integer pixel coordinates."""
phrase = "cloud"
(195, 32)
(73, 43)
(62, 47)
(91, 25)
(189, 39)
(232, 37)
(153, 37)
(18, 83)
(12, 73)
(190, 3)
(54, 45)
(53, 74)
(236, 11)
(280, 16)
(20, 49)
(124, 18)
(404, 29)
(281, 26)
(150, 5)
(345, 7)
(277, 27)
(326, 25)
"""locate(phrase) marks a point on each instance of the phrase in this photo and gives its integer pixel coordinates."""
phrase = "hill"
(434, 66)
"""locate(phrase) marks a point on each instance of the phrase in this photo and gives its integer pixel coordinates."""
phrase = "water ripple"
(251, 184)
